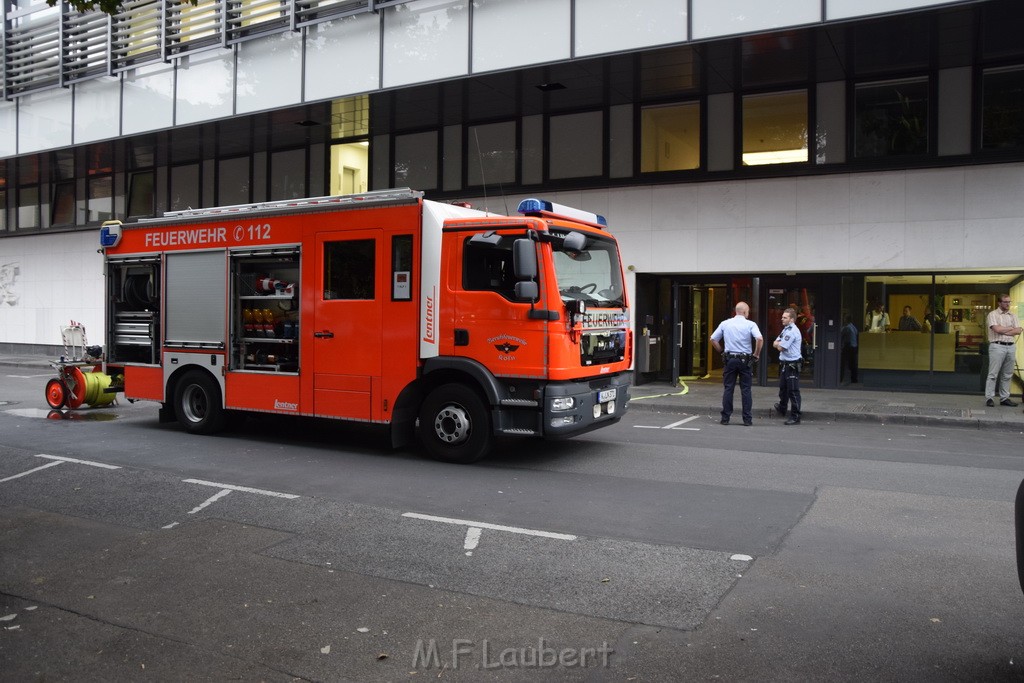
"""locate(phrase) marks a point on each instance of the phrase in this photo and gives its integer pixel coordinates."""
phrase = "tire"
(455, 424)
(197, 403)
(56, 393)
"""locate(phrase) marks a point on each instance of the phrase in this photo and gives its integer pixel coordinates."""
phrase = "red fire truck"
(383, 307)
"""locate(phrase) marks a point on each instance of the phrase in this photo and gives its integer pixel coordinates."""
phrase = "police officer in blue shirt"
(788, 346)
(738, 335)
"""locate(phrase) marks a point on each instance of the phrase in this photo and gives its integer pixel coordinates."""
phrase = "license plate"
(606, 395)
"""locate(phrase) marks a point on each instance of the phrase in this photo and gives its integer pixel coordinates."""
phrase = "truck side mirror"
(524, 259)
(527, 290)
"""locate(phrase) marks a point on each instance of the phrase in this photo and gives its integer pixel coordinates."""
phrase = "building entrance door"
(689, 344)
(801, 294)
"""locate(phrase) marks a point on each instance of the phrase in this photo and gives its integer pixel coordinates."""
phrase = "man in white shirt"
(1003, 328)
(738, 335)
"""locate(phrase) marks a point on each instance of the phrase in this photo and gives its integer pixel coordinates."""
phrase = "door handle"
(326, 334)
(679, 344)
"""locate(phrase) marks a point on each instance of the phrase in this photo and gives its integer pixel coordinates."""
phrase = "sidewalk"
(821, 406)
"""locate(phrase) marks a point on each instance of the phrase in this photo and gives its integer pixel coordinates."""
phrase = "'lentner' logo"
(284, 405)
(428, 319)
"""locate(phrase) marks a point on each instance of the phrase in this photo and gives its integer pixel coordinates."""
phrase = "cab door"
(347, 320)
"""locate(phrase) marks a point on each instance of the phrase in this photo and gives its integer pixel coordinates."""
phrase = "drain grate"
(909, 410)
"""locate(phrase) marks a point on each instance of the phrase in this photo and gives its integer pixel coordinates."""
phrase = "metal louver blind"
(196, 298)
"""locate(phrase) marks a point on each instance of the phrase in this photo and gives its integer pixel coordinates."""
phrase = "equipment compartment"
(133, 318)
(265, 310)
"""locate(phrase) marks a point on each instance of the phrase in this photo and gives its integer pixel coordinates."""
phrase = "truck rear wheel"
(197, 403)
(455, 425)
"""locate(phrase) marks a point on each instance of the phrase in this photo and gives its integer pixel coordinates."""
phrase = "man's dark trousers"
(737, 367)
(789, 389)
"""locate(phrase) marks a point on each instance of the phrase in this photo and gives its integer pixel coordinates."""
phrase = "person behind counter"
(907, 322)
(877, 319)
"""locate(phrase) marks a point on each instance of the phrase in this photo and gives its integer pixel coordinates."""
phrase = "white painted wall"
(45, 282)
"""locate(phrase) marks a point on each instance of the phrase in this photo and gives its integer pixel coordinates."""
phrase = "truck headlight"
(563, 403)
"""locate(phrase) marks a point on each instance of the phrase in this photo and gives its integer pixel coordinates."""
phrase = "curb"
(833, 416)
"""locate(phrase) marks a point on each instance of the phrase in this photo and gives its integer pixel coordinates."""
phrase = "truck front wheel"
(455, 425)
(197, 403)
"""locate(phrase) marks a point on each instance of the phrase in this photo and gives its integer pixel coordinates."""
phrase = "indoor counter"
(906, 351)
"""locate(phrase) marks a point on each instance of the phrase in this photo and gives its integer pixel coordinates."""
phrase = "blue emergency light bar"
(110, 234)
(540, 207)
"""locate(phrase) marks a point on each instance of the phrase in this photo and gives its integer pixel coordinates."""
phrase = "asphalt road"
(665, 548)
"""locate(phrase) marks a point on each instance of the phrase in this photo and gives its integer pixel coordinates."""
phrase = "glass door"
(690, 331)
(802, 296)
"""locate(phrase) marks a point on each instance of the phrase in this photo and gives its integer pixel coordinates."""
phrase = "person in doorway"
(788, 345)
(877, 319)
(739, 341)
(848, 349)
(1003, 328)
(907, 322)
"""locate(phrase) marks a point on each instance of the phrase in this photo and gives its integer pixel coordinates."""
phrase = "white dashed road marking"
(225, 489)
(57, 460)
(247, 489)
(675, 425)
(475, 529)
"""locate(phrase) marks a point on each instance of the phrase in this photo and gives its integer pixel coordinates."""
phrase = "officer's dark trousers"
(789, 390)
(734, 368)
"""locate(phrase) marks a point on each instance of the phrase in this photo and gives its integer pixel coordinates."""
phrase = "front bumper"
(581, 418)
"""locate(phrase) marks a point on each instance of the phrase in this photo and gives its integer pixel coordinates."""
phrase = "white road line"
(684, 429)
(495, 527)
(681, 422)
(34, 469)
(80, 462)
(472, 538)
(215, 497)
(232, 487)
(170, 526)
(645, 427)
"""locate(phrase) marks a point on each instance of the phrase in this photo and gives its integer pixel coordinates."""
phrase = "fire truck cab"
(383, 307)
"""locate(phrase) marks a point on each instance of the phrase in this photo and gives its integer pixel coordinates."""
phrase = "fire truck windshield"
(592, 275)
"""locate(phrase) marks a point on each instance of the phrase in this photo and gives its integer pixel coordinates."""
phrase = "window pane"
(233, 181)
(1002, 117)
(775, 128)
(577, 145)
(349, 270)
(288, 174)
(185, 187)
(670, 137)
(140, 194)
(491, 153)
(350, 167)
(489, 268)
(63, 204)
(28, 207)
(612, 25)
(401, 267)
(101, 199)
(891, 118)
(416, 161)
(425, 40)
